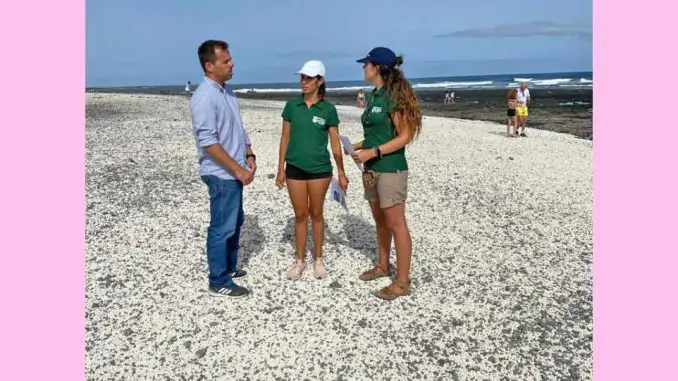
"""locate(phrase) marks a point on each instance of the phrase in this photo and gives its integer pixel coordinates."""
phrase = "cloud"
(531, 29)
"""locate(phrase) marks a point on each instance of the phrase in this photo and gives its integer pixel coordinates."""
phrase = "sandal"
(374, 273)
(394, 290)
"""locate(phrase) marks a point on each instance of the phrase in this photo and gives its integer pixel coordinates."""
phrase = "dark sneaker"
(232, 291)
(238, 274)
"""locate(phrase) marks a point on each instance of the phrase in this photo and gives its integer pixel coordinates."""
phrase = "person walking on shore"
(361, 98)
(226, 162)
(523, 98)
(187, 89)
(308, 121)
(512, 127)
(391, 120)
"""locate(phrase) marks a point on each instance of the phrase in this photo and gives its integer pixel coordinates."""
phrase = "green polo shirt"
(378, 129)
(307, 147)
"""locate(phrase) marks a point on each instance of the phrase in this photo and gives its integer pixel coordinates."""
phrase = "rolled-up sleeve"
(204, 120)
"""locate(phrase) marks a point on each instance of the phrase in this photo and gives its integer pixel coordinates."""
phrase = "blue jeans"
(223, 235)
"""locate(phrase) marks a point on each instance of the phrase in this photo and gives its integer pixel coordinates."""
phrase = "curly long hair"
(512, 94)
(402, 96)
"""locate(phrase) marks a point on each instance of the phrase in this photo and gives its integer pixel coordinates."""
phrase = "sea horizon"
(546, 80)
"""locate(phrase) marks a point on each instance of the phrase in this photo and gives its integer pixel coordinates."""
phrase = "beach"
(501, 269)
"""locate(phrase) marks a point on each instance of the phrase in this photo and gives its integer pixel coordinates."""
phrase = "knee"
(218, 233)
(379, 218)
(396, 225)
(301, 216)
(316, 214)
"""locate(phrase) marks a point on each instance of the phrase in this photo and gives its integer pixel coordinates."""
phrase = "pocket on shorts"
(369, 179)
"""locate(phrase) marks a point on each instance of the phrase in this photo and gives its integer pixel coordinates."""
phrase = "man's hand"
(252, 163)
(244, 176)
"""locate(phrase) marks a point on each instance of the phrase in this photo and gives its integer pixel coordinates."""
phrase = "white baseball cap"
(313, 68)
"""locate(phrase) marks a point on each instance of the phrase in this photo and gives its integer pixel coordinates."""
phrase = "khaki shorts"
(390, 188)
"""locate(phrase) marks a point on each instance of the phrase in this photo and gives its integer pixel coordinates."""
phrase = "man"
(523, 98)
(187, 89)
(227, 163)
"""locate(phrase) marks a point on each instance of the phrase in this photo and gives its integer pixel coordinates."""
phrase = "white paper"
(337, 194)
(349, 148)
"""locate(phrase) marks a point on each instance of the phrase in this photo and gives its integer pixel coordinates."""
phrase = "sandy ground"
(502, 235)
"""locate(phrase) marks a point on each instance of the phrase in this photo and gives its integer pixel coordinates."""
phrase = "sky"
(155, 42)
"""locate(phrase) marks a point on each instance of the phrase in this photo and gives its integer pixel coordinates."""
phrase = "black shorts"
(296, 173)
(511, 112)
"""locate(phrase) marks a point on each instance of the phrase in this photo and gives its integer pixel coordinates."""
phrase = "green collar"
(300, 101)
(379, 91)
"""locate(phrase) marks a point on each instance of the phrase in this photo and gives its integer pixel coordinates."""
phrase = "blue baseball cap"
(380, 56)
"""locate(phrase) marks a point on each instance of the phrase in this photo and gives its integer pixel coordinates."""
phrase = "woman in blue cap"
(391, 120)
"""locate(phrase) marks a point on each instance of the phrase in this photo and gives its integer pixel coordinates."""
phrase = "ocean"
(570, 80)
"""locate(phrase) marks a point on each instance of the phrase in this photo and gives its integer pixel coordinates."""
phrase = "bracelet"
(378, 151)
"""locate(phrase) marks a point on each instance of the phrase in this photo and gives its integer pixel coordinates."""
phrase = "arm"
(217, 152)
(284, 141)
(335, 143)
(358, 145)
(400, 141)
(282, 151)
(336, 149)
(251, 157)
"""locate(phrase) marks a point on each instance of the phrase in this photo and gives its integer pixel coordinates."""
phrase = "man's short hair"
(207, 51)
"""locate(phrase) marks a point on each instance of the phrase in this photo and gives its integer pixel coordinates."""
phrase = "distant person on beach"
(523, 97)
(391, 120)
(449, 97)
(187, 89)
(227, 164)
(361, 98)
(512, 103)
(304, 163)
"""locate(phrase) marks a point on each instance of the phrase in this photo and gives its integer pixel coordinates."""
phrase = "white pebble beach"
(501, 269)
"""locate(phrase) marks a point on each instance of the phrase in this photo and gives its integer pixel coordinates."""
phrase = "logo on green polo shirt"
(318, 120)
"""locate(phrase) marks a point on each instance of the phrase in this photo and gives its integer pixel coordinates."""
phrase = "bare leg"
(317, 189)
(395, 219)
(298, 191)
(384, 235)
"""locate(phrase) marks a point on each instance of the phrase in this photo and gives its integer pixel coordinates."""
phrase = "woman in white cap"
(391, 120)
(304, 162)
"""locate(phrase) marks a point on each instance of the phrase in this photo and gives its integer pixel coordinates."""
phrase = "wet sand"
(545, 111)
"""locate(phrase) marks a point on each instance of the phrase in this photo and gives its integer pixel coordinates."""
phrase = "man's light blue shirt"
(215, 114)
